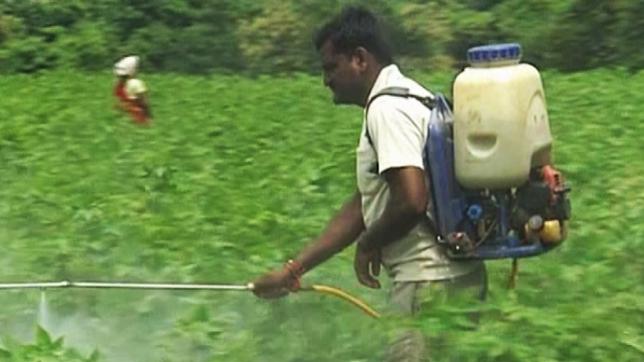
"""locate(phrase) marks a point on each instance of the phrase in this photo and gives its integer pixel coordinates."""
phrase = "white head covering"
(126, 66)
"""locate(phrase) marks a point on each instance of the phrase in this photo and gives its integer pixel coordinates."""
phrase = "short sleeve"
(396, 133)
(134, 88)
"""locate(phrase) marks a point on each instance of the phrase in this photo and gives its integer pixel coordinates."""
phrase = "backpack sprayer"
(495, 193)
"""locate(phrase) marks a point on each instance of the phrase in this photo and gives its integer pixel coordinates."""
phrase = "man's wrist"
(364, 245)
(295, 270)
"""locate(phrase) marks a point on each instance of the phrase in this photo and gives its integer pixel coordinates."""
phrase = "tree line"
(274, 36)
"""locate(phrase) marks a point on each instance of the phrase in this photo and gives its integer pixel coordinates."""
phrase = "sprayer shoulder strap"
(403, 92)
(429, 102)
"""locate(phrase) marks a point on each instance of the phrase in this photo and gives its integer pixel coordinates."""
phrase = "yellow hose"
(324, 289)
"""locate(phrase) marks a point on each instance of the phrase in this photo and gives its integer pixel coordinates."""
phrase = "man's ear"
(361, 58)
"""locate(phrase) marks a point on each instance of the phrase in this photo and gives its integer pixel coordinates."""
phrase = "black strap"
(428, 102)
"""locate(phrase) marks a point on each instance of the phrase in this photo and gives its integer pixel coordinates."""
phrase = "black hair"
(355, 27)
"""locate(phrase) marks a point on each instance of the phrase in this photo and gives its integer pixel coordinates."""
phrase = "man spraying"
(130, 92)
(386, 216)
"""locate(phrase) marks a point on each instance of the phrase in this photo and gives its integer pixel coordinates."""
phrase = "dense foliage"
(201, 36)
(235, 175)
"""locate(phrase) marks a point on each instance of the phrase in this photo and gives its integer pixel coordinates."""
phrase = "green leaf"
(43, 338)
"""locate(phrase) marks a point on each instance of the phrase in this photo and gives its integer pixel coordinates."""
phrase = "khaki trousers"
(410, 298)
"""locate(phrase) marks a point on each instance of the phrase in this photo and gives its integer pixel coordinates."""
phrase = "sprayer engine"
(525, 221)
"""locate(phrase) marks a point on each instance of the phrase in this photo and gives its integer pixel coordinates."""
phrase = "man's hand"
(278, 283)
(367, 266)
(275, 284)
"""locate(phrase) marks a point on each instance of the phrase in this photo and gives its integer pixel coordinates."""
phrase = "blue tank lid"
(494, 53)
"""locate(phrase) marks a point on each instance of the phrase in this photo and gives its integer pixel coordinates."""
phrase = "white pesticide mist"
(121, 325)
(43, 310)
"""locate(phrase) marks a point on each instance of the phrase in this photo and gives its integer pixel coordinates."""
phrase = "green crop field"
(233, 177)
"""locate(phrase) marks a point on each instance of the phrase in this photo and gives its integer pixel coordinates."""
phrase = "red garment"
(136, 112)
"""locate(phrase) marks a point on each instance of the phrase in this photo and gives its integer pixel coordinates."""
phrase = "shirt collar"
(384, 79)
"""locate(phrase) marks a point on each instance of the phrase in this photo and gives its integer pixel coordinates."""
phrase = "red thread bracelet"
(296, 270)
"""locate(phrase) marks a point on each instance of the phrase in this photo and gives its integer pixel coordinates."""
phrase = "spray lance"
(324, 289)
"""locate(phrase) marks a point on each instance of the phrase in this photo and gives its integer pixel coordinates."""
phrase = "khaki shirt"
(398, 130)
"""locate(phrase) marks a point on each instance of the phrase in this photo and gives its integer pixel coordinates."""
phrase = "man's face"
(343, 75)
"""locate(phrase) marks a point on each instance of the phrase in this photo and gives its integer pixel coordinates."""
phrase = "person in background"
(386, 216)
(130, 92)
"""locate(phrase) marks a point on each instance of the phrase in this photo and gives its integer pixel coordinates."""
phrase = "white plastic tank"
(501, 127)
